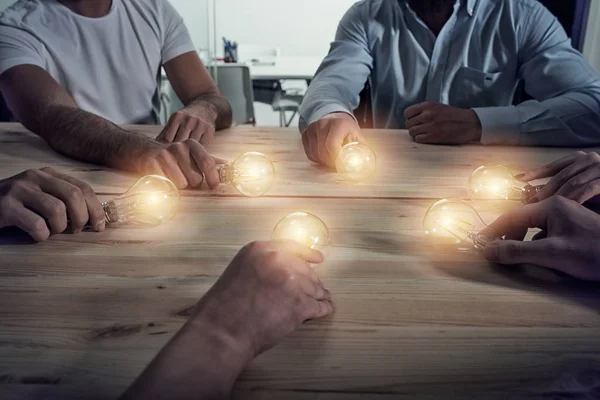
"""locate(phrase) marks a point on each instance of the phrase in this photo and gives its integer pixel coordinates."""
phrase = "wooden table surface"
(82, 315)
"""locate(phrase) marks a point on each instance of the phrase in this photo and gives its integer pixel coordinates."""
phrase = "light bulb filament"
(455, 226)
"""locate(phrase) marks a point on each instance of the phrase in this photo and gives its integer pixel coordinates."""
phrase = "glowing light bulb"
(151, 201)
(454, 223)
(498, 183)
(356, 162)
(304, 228)
(252, 174)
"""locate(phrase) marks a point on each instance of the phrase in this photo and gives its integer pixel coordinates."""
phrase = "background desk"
(81, 316)
(287, 68)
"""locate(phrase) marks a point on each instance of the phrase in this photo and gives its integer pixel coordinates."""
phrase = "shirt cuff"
(323, 111)
(499, 125)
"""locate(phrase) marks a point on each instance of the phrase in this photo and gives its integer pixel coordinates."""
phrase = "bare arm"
(197, 90)
(45, 108)
(267, 291)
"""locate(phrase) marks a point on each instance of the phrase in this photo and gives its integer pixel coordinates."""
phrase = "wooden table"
(81, 316)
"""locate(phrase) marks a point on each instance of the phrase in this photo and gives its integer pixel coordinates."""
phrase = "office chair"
(235, 84)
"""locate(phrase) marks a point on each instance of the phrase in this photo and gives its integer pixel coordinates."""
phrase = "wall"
(297, 27)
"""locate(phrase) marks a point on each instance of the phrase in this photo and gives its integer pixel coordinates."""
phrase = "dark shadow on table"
(526, 277)
(14, 236)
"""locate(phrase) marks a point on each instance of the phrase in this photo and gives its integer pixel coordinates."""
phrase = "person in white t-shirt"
(72, 71)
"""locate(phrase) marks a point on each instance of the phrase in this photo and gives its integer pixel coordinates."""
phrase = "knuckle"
(275, 258)
(19, 186)
(57, 208)
(75, 194)
(207, 164)
(580, 153)
(594, 157)
(31, 174)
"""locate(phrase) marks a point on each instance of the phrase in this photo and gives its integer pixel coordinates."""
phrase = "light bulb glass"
(151, 201)
(304, 228)
(356, 162)
(252, 174)
(498, 183)
(454, 223)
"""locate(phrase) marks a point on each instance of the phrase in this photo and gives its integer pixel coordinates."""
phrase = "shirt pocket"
(475, 88)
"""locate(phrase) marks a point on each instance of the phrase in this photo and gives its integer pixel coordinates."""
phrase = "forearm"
(198, 363)
(88, 137)
(572, 119)
(214, 108)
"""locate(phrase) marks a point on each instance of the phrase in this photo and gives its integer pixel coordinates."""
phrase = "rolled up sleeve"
(343, 73)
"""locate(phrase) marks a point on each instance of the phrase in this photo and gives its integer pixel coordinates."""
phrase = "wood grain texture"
(405, 168)
(81, 315)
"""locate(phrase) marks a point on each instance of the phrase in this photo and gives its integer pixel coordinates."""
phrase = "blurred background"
(273, 48)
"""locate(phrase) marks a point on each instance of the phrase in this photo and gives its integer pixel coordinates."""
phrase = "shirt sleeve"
(342, 75)
(18, 47)
(566, 109)
(176, 39)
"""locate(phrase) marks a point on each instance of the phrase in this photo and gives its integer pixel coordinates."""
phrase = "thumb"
(510, 252)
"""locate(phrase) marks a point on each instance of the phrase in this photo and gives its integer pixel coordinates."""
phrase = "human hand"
(323, 139)
(567, 243)
(188, 124)
(435, 123)
(35, 196)
(576, 177)
(267, 291)
(185, 163)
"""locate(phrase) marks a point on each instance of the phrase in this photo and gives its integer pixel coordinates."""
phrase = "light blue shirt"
(477, 61)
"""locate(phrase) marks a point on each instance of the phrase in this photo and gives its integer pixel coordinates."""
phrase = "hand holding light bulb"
(44, 202)
(576, 177)
(356, 162)
(186, 164)
(151, 201)
(323, 139)
(498, 183)
(454, 223)
(252, 174)
(568, 241)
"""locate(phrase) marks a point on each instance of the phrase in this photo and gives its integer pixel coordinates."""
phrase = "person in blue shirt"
(448, 71)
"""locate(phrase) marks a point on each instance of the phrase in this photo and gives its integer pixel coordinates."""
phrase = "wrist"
(204, 110)
(233, 349)
(476, 129)
(136, 157)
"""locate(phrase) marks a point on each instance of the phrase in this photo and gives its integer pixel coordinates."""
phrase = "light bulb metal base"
(227, 173)
(479, 241)
(111, 215)
(529, 191)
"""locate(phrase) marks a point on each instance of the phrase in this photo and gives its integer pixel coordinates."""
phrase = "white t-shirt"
(109, 65)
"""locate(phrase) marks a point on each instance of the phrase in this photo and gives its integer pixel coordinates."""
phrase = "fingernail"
(491, 251)
(100, 226)
(321, 256)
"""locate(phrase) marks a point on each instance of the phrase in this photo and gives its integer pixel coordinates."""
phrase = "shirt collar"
(470, 5)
